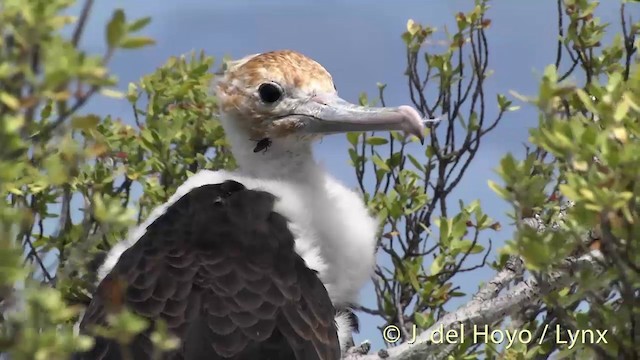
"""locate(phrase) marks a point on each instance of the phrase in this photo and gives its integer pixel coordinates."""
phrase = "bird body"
(323, 218)
(290, 236)
(218, 265)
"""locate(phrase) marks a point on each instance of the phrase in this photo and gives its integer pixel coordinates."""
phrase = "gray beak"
(326, 114)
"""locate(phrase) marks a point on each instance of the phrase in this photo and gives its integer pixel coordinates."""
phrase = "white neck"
(334, 231)
(289, 159)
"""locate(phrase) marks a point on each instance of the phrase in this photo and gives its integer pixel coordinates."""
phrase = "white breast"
(334, 233)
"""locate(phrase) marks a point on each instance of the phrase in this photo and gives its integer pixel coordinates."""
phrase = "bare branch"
(486, 312)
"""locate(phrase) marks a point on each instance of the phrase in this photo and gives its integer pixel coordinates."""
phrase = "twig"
(84, 15)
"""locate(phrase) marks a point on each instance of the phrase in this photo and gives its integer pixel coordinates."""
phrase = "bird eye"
(270, 92)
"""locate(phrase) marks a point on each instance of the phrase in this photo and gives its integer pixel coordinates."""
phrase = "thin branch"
(82, 21)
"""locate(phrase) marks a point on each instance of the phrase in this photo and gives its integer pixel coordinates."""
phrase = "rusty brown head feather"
(284, 93)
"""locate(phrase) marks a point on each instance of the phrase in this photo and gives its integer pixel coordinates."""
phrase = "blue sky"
(359, 42)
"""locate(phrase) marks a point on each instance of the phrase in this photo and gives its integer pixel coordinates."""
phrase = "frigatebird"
(258, 263)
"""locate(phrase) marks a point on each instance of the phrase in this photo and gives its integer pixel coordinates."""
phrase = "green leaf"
(413, 279)
(85, 122)
(363, 100)
(15, 191)
(355, 158)
(586, 100)
(46, 111)
(139, 24)
(134, 42)
(550, 73)
(380, 163)
(11, 101)
(13, 123)
(353, 137)
(115, 94)
(415, 162)
(503, 103)
(116, 29)
(466, 246)
(376, 140)
(395, 160)
(498, 189)
(421, 319)
(429, 151)
(437, 265)
(406, 37)
(412, 27)
(621, 110)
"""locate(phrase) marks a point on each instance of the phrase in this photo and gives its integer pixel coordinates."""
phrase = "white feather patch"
(345, 329)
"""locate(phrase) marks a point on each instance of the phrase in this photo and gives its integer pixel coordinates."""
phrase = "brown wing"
(219, 267)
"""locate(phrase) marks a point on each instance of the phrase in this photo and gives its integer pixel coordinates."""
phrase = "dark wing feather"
(219, 267)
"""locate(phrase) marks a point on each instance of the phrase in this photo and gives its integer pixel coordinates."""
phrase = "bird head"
(286, 95)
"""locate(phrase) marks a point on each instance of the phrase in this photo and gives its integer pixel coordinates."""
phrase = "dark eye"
(270, 92)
